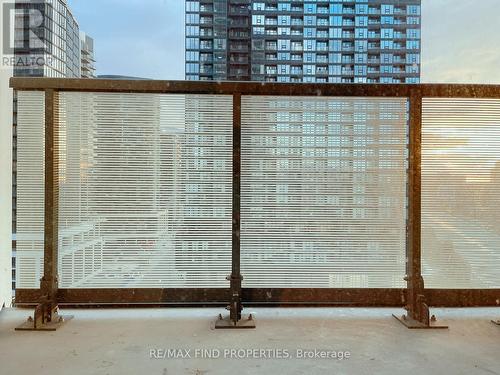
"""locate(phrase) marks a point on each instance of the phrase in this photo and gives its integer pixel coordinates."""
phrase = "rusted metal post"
(49, 282)
(46, 317)
(235, 307)
(236, 278)
(418, 315)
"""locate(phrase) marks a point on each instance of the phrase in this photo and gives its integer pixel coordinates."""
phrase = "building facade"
(46, 44)
(50, 49)
(87, 56)
(356, 41)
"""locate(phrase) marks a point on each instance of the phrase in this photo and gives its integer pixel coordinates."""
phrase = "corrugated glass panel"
(461, 193)
(323, 191)
(30, 192)
(145, 190)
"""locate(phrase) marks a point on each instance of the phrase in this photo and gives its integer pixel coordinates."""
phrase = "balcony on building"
(338, 196)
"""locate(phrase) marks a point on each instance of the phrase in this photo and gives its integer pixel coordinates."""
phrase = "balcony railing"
(151, 192)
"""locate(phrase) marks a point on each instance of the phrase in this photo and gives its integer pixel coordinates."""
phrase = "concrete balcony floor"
(119, 341)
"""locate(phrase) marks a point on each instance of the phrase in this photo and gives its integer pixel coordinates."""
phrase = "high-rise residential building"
(356, 41)
(87, 56)
(50, 49)
(46, 44)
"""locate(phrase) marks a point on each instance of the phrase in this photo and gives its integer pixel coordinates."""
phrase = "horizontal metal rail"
(257, 88)
(355, 297)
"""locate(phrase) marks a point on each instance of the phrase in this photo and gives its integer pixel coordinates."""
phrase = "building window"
(192, 6)
(259, 6)
(413, 20)
(413, 9)
(412, 44)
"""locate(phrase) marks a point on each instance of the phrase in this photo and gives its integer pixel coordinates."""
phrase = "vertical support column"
(49, 282)
(46, 317)
(418, 315)
(235, 307)
(236, 278)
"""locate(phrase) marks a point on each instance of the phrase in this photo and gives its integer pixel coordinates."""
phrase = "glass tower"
(53, 48)
(87, 55)
(45, 46)
(357, 41)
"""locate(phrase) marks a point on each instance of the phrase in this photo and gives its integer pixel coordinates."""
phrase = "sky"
(145, 38)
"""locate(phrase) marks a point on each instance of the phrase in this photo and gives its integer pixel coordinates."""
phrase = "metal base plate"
(497, 322)
(415, 324)
(226, 323)
(29, 325)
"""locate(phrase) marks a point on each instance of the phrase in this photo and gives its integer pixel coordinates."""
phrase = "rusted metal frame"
(219, 296)
(418, 315)
(463, 297)
(359, 297)
(470, 91)
(377, 297)
(49, 282)
(414, 278)
(413, 91)
(104, 296)
(257, 88)
(235, 279)
(46, 313)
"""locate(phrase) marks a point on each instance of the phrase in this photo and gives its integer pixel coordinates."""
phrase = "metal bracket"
(226, 323)
(235, 306)
(415, 324)
(46, 318)
(235, 320)
(420, 318)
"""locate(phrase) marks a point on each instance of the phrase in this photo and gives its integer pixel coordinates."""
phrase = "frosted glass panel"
(323, 192)
(30, 192)
(461, 193)
(145, 190)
